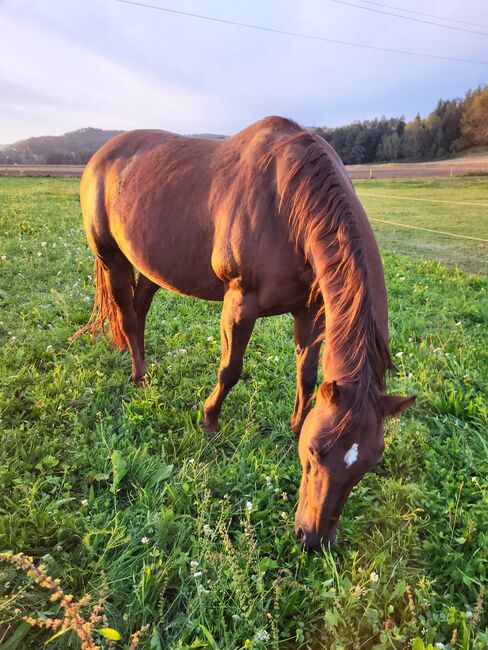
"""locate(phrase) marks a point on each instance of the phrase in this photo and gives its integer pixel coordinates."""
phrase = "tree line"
(454, 125)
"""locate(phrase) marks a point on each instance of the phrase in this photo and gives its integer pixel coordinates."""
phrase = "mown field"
(105, 483)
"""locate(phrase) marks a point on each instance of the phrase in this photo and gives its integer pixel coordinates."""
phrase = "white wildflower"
(439, 645)
(249, 505)
(469, 614)
(43, 243)
(84, 502)
(193, 564)
(373, 576)
(145, 540)
(399, 355)
(206, 529)
(261, 635)
(4, 257)
(210, 338)
(283, 514)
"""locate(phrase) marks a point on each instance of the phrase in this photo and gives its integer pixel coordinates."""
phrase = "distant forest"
(454, 125)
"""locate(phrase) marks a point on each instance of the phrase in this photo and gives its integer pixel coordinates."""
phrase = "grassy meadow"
(108, 484)
(461, 209)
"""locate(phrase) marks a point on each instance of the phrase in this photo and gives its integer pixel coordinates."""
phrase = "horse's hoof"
(140, 381)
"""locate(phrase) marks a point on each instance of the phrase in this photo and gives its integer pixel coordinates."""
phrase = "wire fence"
(423, 169)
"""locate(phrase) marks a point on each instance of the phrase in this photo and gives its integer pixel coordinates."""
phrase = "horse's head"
(333, 461)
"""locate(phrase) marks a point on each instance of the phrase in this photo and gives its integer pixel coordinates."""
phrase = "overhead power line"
(421, 13)
(310, 37)
(416, 20)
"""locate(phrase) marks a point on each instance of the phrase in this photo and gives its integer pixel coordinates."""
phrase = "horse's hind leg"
(309, 327)
(143, 295)
(239, 314)
(119, 276)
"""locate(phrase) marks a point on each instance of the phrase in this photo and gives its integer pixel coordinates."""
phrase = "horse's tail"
(104, 311)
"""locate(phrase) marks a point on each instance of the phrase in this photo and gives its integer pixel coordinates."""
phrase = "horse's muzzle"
(312, 541)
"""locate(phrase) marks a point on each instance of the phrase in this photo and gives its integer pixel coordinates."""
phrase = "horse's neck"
(339, 361)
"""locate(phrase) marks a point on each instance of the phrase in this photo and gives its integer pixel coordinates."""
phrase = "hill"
(74, 147)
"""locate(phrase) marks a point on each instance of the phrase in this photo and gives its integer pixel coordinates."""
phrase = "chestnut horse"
(268, 222)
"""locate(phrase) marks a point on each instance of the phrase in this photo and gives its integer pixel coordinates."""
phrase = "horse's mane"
(312, 192)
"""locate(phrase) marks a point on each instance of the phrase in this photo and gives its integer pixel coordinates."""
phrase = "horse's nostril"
(299, 534)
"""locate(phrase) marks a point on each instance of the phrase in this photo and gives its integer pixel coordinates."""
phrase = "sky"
(67, 64)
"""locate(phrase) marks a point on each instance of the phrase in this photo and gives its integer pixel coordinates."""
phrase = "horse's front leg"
(239, 314)
(309, 328)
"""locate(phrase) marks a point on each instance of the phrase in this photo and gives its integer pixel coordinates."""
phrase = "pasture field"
(453, 205)
(103, 482)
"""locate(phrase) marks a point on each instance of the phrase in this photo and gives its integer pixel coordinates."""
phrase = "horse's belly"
(175, 265)
(203, 287)
(173, 256)
(166, 233)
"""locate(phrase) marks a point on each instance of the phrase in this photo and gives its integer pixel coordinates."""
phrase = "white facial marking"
(351, 455)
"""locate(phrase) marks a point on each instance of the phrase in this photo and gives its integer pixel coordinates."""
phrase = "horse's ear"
(395, 404)
(330, 390)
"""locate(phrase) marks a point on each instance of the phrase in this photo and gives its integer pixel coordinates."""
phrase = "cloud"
(118, 66)
(70, 85)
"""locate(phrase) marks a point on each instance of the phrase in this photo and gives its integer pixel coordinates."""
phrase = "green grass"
(99, 476)
(470, 220)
